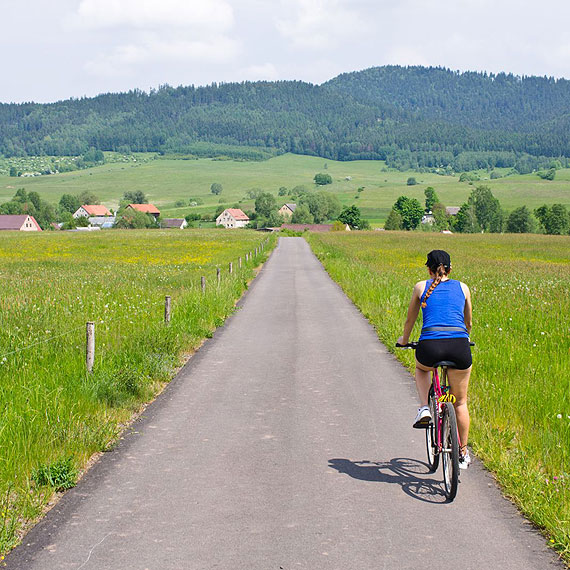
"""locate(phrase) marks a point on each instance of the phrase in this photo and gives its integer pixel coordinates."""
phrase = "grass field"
(520, 388)
(165, 181)
(54, 414)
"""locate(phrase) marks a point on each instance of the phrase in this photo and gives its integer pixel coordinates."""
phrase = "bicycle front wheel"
(431, 434)
(450, 451)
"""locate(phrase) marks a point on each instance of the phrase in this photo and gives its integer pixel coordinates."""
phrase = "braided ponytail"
(439, 274)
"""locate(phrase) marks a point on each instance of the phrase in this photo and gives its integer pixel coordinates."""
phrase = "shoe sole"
(422, 424)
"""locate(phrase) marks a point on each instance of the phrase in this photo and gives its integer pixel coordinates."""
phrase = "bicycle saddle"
(447, 363)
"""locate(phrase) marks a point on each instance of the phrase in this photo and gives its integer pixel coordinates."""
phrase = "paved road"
(285, 443)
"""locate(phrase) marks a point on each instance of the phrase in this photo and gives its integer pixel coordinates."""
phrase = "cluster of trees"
(412, 117)
(481, 213)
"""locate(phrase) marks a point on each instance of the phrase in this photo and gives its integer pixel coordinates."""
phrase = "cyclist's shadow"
(412, 475)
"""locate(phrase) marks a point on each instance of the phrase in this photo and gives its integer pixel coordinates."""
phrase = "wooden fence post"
(239, 261)
(231, 268)
(218, 275)
(203, 284)
(90, 352)
(246, 257)
(167, 301)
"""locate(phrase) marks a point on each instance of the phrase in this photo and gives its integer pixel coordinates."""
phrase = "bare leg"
(423, 382)
(459, 382)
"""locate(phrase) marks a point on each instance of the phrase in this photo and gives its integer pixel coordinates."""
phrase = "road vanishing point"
(284, 443)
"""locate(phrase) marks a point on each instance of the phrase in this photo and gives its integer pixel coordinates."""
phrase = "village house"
(177, 223)
(452, 210)
(145, 209)
(232, 218)
(91, 210)
(21, 223)
(287, 210)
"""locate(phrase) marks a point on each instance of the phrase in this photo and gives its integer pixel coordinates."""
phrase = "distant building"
(232, 218)
(287, 210)
(178, 223)
(452, 210)
(145, 209)
(20, 223)
(428, 219)
(90, 210)
(103, 222)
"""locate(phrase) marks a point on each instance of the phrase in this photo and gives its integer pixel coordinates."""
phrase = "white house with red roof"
(232, 218)
(19, 223)
(89, 210)
(145, 209)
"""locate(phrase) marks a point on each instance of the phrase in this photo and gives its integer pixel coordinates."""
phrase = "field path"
(285, 443)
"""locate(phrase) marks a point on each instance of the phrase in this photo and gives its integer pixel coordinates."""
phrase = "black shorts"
(457, 350)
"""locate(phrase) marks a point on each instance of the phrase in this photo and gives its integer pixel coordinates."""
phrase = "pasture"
(520, 388)
(166, 181)
(55, 415)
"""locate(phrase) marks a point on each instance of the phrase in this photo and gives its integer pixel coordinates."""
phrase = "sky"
(74, 48)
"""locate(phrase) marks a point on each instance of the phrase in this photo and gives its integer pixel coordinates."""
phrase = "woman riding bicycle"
(446, 305)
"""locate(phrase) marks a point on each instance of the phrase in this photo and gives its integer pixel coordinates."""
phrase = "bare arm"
(413, 311)
(468, 310)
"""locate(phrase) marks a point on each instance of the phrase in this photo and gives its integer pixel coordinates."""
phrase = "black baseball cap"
(438, 257)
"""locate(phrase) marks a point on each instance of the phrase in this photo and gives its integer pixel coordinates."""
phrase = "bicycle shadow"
(412, 475)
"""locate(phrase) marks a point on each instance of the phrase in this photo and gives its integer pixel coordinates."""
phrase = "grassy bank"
(55, 415)
(520, 389)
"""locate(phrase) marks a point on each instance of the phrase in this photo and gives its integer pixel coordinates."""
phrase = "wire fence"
(249, 257)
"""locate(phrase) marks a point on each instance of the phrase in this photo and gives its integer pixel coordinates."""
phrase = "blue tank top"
(443, 316)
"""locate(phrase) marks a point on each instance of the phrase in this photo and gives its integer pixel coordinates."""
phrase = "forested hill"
(411, 116)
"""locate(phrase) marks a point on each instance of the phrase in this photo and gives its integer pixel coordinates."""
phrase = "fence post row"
(90, 351)
(167, 300)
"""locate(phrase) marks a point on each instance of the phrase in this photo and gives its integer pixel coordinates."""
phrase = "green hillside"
(166, 181)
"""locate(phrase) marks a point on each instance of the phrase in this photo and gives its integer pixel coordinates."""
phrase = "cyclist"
(446, 305)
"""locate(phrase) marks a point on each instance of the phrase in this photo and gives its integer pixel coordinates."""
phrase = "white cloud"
(153, 51)
(266, 71)
(152, 14)
(143, 33)
(320, 24)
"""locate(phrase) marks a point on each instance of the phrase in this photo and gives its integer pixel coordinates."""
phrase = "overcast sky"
(71, 48)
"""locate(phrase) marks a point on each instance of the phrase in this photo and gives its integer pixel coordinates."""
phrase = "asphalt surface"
(285, 443)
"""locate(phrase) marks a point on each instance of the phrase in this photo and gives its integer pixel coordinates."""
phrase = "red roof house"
(89, 210)
(22, 223)
(232, 218)
(146, 209)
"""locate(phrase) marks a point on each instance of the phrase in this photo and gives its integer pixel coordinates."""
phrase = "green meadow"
(520, 387)
(56, 415)
(167, 181)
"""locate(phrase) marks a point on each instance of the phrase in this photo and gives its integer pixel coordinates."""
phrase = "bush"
(411, 181)
(60, 475)
(322, 179)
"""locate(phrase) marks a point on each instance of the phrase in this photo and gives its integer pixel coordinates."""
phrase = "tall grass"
(520, 387)
(55, 415)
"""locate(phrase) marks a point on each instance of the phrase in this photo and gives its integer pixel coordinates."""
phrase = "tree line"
(414, 117)
(482, 212)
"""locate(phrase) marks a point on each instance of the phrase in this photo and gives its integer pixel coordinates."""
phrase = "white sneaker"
(423, 418)
(464, 460)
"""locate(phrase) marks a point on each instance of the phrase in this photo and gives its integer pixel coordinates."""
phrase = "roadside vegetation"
(55, 415)
(519, 393)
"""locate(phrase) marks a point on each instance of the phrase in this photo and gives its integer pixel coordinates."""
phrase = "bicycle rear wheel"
(450, 451)
(431, 433)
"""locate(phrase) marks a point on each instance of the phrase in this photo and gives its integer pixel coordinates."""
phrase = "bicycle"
(442, 436)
